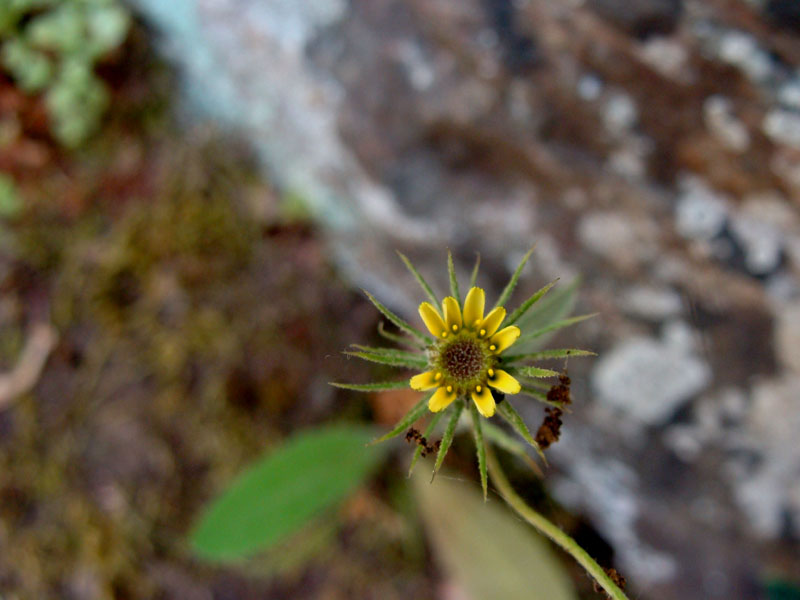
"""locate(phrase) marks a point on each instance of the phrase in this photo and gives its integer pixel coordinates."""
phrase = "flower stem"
(550, 529)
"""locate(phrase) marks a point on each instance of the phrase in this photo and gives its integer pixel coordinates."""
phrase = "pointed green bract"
(382, 386)
(543, 354)
(525, 306)
(412, 415)
(400, 323)
(538, 372)
(451, 271)
(508, 443)
(420, 279)
(512, 283)
(553, 327)
(398, 339)
(428, 431)
(541, 396)
(447, 438)
(508, 412)
(474, 277)
(480, 447)
(410, 361)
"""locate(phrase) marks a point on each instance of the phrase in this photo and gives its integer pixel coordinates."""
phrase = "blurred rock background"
(650, 146)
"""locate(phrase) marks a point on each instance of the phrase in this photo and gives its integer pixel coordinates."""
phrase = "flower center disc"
(462, 359)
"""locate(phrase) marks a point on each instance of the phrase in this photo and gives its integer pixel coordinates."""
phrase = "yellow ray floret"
(473, 307)
(492, 322)
(483, 399)
(500, 380)
(503, 339)
(441, 398)
(433, 321)
(452, 314)
(425, 381)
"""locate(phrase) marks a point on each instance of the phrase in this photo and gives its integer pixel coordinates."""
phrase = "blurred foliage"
(52, 47)
(285, 490)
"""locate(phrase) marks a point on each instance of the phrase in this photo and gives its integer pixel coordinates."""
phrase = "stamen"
(478, 389)
(483, 332)
(444, 334)
(437, 377)
(449, 389)
(491, 372)
(455, 327)
(492, 347)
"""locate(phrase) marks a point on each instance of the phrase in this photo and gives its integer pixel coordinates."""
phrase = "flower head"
(466, 354)
(465, 364)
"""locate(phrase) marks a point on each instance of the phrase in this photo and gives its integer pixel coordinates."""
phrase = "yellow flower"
(466, 354)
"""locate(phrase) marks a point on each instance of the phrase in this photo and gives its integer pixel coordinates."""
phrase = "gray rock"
(647, 380)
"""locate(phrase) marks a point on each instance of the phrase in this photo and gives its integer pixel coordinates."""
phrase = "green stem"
(549, 529)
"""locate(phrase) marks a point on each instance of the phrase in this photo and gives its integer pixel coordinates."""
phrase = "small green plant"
(51, 47)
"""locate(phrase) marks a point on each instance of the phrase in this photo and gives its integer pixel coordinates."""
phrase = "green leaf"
(526, 390)
(557, 305)
(782, 590)
(509, 444)
(401, 359)
(412, 415)
(400, 323)
(447, 438)
(420, 279)
(544, 354)
(479, 446)
(283, 490)
(512, 283)
(552, 328)
(474, 277)
(525, 306)
(513, 418)
(484, 548)
(382, 386)
(538, 372)
(398, 339)
(451, 271)
(428, 432)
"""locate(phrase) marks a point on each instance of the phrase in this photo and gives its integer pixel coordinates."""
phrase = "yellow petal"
(441, 399)
(483, 400)
(425, 381)
(503, 338)
(492, 321)
(432, 320)
(452, 314)
(500, 380)
(473, 307)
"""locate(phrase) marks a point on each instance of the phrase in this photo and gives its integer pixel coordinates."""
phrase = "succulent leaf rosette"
(467, 362)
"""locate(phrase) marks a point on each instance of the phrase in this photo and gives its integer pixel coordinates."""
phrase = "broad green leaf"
(381, 386)
(400, 323)
(420, 279)
(451, 271)
(283, 490)
(538, 372)
(485, 548)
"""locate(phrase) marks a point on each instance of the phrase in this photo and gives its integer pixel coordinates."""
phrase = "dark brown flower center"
(462, 359)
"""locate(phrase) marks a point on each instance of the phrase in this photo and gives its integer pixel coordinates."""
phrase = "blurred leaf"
(284, 490)
(782, 590)
(485, 548)
(550, 309)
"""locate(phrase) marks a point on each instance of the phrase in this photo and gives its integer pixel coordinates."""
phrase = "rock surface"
(664, 157)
